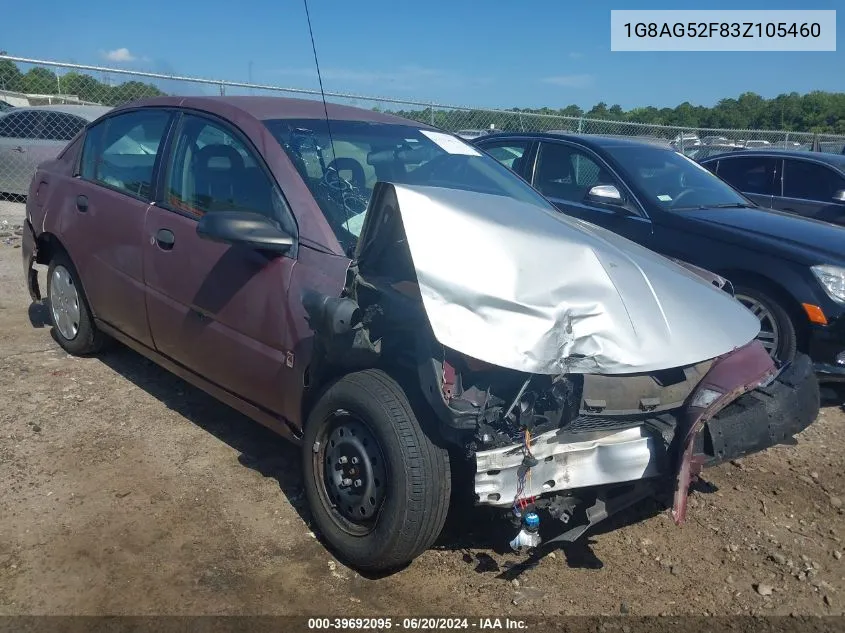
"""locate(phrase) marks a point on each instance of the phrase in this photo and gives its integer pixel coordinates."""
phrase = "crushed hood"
(524, 287)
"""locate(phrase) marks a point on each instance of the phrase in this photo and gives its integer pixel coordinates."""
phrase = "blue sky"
(493, 53)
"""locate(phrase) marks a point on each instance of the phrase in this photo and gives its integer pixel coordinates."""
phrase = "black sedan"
(806, 183)
(788, 270)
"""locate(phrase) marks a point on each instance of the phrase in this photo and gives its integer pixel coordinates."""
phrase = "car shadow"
(260, 448)
(832, 395)
(470, 530)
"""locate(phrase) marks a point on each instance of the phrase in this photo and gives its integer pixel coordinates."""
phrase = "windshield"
(673, 181)
(341, 174)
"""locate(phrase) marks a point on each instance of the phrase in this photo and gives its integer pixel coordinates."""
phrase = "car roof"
(590, 140)
(88, 112)
(835, 160)
(267, 108)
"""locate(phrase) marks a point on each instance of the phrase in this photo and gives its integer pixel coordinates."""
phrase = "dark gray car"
(31, 135)
(811, 184)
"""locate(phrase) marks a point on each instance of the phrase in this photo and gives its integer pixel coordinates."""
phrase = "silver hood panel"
(519, 286)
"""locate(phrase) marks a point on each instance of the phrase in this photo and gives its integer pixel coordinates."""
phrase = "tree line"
(46, 82)
(821, 112)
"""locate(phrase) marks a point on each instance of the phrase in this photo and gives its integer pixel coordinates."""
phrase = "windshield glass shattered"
(341, 174)
(673, 181)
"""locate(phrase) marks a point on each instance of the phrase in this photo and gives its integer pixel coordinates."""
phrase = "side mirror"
(605, 194)
(250, 229)
(839, 196)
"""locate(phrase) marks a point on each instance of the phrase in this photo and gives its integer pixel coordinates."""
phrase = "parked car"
(788, 270)
(811, 184)
(705, 151)
(31, 135)
(685, 140)
(756, 143)
(4, 105)
(385, 294)
(471, 134)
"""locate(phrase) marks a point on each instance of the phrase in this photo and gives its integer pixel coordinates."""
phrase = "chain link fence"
(67, 96)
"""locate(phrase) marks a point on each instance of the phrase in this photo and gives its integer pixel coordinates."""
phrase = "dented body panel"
(549, 294)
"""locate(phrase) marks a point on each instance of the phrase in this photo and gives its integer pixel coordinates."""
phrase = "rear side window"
(810, 181)
(509, 153)
(60, 126)
(20, 125)
(212, 169)
(749, 174)
(121, 151)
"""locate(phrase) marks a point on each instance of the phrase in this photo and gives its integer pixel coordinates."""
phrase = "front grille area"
(663, 423)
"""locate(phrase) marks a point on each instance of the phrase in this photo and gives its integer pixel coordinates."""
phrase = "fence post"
(432, 114)
(580, 125)
(222, 89)
(786, 141)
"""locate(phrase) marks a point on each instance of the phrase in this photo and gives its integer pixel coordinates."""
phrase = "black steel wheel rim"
(353, 484)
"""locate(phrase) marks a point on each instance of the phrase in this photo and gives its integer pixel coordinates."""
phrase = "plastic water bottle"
(529, 534)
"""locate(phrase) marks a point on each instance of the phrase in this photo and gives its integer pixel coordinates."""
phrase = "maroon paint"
(730, 375)
(229, 315)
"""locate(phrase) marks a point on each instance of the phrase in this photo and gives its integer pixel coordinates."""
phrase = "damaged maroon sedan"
(399, 303)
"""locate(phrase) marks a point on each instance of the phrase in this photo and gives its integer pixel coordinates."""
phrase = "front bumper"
(826, 346)
(764, 417)
(756, 420)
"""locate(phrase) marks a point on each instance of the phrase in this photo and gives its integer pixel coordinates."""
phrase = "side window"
(810, 181)
(567, 173)
(20, 125)
(213, 170)
(121, 151)
(749, 174)
(60, 126)
(509, 153)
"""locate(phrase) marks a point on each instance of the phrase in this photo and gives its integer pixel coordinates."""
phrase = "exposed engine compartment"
(567, 443)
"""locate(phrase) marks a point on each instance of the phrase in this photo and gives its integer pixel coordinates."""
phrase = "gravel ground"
(127, 491)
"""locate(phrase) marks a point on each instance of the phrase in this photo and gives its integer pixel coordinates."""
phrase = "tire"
(73, 326)
(408, 506)
(773, 318)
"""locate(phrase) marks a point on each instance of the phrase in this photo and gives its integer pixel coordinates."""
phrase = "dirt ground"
(126, 491)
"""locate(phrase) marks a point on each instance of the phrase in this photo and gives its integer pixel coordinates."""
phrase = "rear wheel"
(73, 326)
(777, 332)
(378, 487)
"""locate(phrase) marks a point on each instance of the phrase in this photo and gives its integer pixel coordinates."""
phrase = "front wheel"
(377, 486)
(777, 332)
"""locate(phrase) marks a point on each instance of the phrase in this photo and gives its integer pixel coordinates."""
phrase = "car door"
(567, 173)
(216, 309)
(811, 189)
(103, 226)
(754, 176)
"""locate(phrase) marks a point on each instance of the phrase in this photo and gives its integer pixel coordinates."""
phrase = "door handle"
(82, 203)
(165, 239)
(18, 149)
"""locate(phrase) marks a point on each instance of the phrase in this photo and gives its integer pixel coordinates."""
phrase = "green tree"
(40, 81)
(11, 77)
